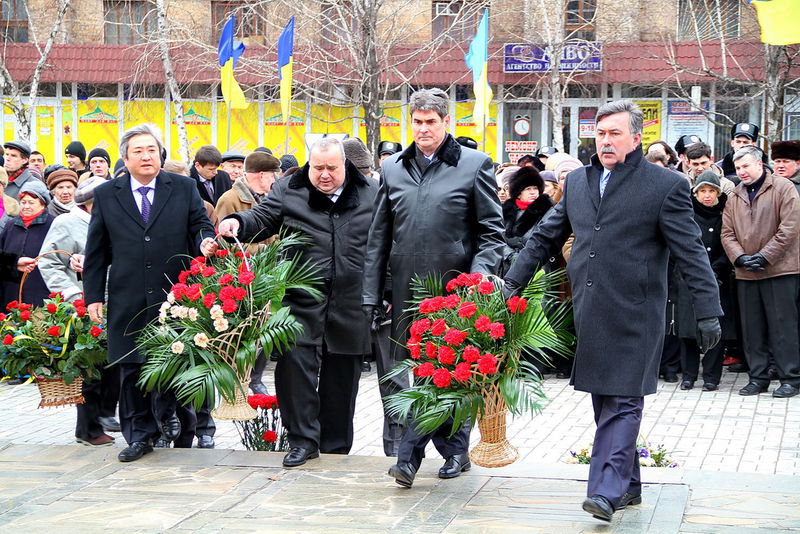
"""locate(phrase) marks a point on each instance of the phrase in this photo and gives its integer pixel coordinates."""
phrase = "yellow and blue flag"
(285, 60)
(779, 21)
(477, 60)
(229, 52)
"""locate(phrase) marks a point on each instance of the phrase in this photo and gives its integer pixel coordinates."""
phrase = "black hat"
(685, 141)
(232, 156)
(389, 147)
(467, 142)
(76, 149)
(546, 151)
(707, 178)
(287, 162)
(524, 177)
(22, 146)
(746, 129)
(786, 150)
(263, 149)
(51, 169)
(99, 153)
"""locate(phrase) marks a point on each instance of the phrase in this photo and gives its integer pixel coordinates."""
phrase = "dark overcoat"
(618, 269)
(222, 183)
(520, 224)
(144, 259)
(338, 233)
(24, 241)
(444, 219)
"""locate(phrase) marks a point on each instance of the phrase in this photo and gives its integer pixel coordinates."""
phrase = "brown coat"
(238, 198)
(769, 226)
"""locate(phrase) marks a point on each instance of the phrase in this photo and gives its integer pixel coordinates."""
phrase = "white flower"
(216, 312)
(647, 462)
(175, 311)
(193, 313)
(170, 298)
(201, 340)
(221, 324)
(162, 317)
(177, 347)
(164, 306)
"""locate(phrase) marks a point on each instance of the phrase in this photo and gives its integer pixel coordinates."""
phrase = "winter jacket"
(68, 233)
(222, 183)
(13, 188)
(28, 241)
(236, 199)
(520, 224)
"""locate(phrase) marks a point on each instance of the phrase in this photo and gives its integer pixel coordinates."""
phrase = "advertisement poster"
(651, 129)
(684, 119)
(275, 130)
(391, 123)
(586, 128)
(8, 123)
(197, 116)
(45, 140)
(465, 125)
(98, 126)
(244, 129)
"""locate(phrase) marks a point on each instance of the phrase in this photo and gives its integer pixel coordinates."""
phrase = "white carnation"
(177, 347)
(201, 340)
(193, 314)
(221, 324)
(170, 298)
(216, 312)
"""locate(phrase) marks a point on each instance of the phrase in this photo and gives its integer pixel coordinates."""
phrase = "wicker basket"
(493, 449)
(238, 410)
(54, 392)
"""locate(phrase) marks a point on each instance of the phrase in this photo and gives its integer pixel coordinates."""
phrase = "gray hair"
(140, 129)
(749, 150)
(326, 143)
(623, 106)
(430, 100)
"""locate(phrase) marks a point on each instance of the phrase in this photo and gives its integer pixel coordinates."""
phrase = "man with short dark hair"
(698, 159)
(37, 161)
(211, 182)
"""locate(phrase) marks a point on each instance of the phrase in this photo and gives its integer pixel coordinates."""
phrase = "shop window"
(128, 21)
(708, 19)
(455, 20)
(14, 21)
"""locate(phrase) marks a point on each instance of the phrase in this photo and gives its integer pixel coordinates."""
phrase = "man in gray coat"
(628, 217)
(437, 211)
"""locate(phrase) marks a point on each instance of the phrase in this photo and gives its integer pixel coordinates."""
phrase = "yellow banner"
(45, 130)
(651, 130)
(465, 125)
(275, 130)
(98, 126)
(391, 123)
(197, 116)
(8, 123)
(244, 129)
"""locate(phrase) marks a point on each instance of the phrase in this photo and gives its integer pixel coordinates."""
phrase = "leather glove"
(510, 288)
(741, 260)
(373, 315)
(756, 262)
(709, 333)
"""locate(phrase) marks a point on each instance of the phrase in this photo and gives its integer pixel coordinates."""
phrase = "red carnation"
(78, 302)
(195, 268)
(497, 330)
(193, 292)
(239, 293)
(24, 315)
(485, 288)
(255, 400)
(208, 271)
(229, 306)
(2, 316)
(430, 350)
(221, 253)
(415, 350)
(178, 290)
(227, 293)
(270, 402)
(424, 369)
(451, 301)
(55, 294)
(25, 306)
(451, 285)
(80, 311)
(424, 307)
(226, 278)
(487, 364)
(420, 326)
(270, 436)
(475, 278)
(183, 276)
(438, 327)
(51, 308)
(462, 372)
(13, 305)
(482, 323)
(471, 354)
(467, 309)
(209, 299)
(96, 331)
(8, 339)
(516, 304)
(54, 331)
(441, 377)
(462, 279)
(455, 337)
(446, 355)
(199, 259)
(238, 254)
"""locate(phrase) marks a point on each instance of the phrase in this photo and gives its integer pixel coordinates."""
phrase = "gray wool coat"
(618, 269)
(68, 233)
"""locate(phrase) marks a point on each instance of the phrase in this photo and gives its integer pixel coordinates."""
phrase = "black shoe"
(785, 391)
(298, 456)
(752, 389)
(273, 357)
(205, 442)
(710, 386)
(258, 388)
(671, 378)
(738, 368)
(171, 428)
(687, 384)
(629, 499)
(454, 466)
(772, 373)
(365, 367)
(403, 473)
(109, 424)
(134, 451)
(162, 443)
(562, 374)
(599, 507)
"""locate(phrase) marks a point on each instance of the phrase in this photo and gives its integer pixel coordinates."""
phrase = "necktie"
(145, 202)
(604, 183)
(210, 188)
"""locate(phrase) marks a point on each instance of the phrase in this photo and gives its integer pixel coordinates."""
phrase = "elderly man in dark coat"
(331, 202)
(144, 223)
(628, 216)
(437, 212)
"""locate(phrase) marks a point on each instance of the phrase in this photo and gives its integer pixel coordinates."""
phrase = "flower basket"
(55, 392)
(493, 449)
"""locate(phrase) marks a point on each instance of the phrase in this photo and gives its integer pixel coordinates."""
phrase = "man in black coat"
(437, 212)
(628, 217)
(144, 223)
(211, 182)
(331, 202)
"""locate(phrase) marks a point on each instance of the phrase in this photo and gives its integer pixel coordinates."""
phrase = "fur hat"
(707, 178)
(525, 177)
(99, 153)
(357, 152)
(61, 175)
(37, 189)
(287, 162)
(567, 164)
(76, 149)
(786, 150)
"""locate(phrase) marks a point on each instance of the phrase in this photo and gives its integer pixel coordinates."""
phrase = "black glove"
(510, 288)
(373, 315)
(756, 262)
(741, 260)
(708, 333)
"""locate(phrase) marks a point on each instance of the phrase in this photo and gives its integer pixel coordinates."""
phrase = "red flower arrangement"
(265, 432)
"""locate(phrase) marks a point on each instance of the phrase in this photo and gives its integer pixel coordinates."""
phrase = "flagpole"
(286, 132)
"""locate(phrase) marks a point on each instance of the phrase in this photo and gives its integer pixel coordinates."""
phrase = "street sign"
(580, 56)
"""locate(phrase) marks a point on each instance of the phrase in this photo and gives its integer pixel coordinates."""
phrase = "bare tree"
(172, 82)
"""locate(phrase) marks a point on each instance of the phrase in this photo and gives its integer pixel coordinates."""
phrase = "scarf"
(14, 175)
(521, 204)
(59, 208)
(28, 219)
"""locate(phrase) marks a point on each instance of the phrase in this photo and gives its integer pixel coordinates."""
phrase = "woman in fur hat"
(526, 205)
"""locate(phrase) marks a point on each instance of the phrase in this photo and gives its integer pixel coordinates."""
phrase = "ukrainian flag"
(477, 60)
(285, 60)
(779, 21)
(229, 52)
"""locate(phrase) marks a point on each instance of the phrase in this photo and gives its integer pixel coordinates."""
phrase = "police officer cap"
(685, 141)
(232, 156)
(389, 147)
(546, 151)
(22, 146)
(746, 129)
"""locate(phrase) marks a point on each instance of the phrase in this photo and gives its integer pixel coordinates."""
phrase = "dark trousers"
(769, 326)
(109, 391)
(412, 446)
(614, 468)
(205, 423)
(101, 401)
(318, 418)
(135, 409)
(670, 356)
(392, 426)
(258, 367)
(165, 404)
(712, 361)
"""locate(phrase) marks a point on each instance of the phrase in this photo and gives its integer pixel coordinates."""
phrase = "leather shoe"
(134, 451)
(205, 442)
(772, 373)
(161, 443)
(709, 386)
(671, 378)
(171, 428)
(403, 473)
(629, 499)
(599, 507)
(752, 389)
(687, 384)
(454, 466)
(258, 388)
(785, 391)
(109, 424)
(103, 440)
(298, 456)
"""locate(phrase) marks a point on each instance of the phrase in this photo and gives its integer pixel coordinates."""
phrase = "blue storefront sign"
(580, 57)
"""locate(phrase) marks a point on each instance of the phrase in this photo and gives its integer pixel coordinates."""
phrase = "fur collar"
(319, 201)
(448, 152)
